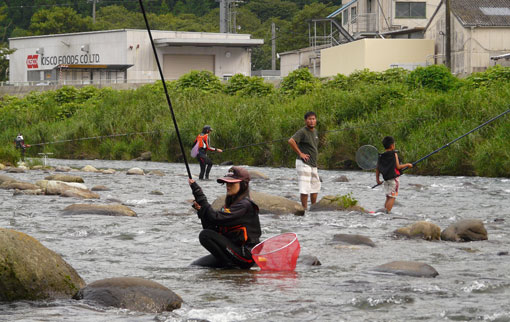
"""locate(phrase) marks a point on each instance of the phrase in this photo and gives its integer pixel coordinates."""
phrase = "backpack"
(194, 149)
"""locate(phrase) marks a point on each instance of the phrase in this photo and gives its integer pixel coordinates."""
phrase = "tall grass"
(352, 111)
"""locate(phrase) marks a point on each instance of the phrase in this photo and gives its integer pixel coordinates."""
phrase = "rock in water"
(30, 271)
(416, 269)
(88, 168)
(420, 229)
(353, 239)
(465, 230)
(268, 204)
(135, 171)
(131, 293)
(109, 210)
(336, 203)
(65, 178)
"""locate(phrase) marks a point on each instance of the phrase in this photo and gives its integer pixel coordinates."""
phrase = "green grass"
(352, 111)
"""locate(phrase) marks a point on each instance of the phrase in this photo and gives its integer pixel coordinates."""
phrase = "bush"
(9, 154)
(340, 81)
(66, 94)
(436, 77)
(250, 86)
(299, 82)
(204, 81)
(491, 75)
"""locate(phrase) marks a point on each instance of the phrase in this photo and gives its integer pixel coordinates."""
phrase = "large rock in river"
(18, 185)
(132, 293)
(465, 230)
(30, 271)
(420, 229)
(135, 171)
(67, 189)
(65, 178)
(4, 178)
(416, 269)
(268, 204)
(108, 210)
(353, 239)
(89, 168)
(336, 203)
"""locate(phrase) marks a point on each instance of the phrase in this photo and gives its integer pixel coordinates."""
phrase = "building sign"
(32, 61)
(51, 61)
(70, 59)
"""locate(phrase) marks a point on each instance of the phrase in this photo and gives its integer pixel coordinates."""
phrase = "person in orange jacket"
(204, 146)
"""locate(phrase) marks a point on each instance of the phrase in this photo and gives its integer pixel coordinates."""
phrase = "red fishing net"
(278, 253)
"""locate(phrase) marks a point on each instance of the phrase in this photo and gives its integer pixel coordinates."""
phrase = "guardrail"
(78, 82)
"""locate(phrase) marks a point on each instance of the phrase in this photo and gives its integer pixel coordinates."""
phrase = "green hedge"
(423, 110)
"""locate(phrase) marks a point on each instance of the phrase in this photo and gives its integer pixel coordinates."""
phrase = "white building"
(114, 56)
(480, 30)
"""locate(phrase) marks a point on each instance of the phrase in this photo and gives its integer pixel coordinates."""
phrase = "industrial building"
(126, 56)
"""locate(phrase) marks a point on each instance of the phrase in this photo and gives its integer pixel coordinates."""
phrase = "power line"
(74, 4)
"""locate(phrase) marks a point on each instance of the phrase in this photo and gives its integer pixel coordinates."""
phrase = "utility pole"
(224, 25)
(448, 32)
(93, 10)
(273, 46)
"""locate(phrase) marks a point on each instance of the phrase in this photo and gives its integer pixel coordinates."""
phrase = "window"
(410, 10)
(353, 13)
(345, 17)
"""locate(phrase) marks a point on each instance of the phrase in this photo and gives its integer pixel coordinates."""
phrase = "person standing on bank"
(204, 146)
(305, 143)
(230, 233)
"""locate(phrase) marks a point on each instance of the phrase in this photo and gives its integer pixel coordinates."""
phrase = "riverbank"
(423, 110)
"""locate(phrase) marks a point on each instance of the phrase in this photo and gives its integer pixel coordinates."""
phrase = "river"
(160, 244)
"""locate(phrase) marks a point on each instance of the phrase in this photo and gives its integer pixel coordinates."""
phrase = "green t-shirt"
(308, 142)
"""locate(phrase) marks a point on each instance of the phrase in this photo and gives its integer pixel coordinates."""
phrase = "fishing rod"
(449, 143)
(166, 90)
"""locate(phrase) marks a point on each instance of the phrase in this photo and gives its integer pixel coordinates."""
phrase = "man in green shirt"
(305, 143)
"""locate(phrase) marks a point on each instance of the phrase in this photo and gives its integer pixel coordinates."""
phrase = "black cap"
(206, 128)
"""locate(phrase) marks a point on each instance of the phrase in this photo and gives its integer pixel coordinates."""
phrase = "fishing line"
(166, 90)
(328, 131)
(96, 137)
(449, 143)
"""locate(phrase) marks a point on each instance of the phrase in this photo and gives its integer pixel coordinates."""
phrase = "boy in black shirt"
(388, 165)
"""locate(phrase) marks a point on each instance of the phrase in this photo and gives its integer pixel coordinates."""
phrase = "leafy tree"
(266, 9)
(58, 20)
(4, 62)
(118, 17)
(295, 35)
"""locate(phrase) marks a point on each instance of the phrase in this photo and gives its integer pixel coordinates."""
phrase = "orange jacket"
(203, 142)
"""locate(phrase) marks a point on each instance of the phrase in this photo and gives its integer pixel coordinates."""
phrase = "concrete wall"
(301, 58)
(374, 54)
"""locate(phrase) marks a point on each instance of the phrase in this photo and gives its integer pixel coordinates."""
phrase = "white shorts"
(391, 188)
(308, 178)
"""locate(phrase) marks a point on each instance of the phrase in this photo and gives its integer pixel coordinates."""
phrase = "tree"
(58, 20)
(266, 9)
(4, 62)
(118, 17)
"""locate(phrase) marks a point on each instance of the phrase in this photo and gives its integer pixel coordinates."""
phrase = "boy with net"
(388, 165)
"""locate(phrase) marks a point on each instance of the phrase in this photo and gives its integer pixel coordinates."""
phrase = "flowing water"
(159, 245)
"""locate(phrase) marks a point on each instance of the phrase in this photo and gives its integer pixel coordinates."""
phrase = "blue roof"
(338, 11)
